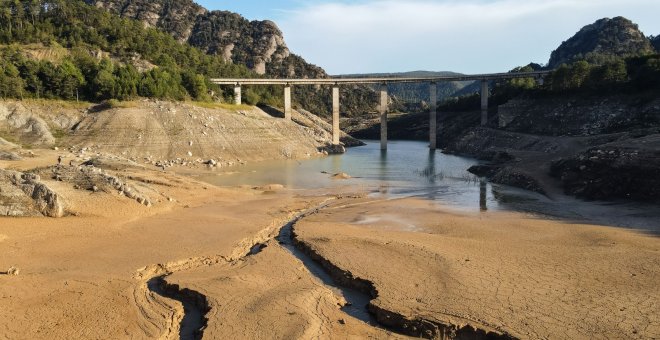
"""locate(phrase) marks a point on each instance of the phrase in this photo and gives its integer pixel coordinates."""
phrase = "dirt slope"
(161, 132)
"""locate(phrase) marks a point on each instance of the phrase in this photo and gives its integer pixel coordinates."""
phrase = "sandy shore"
(105, 271)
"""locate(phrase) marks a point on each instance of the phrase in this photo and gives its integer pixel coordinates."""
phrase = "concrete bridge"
(336, 82)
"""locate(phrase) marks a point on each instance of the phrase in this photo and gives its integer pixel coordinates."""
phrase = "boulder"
(22, 194)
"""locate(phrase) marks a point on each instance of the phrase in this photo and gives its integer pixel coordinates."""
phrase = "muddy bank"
(203, 258)
(622, 169)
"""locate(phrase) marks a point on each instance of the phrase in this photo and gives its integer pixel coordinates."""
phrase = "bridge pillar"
(335, 115)
(433, 115)
(383, 117)
(484, 102)
(237, 95)
(287, 102)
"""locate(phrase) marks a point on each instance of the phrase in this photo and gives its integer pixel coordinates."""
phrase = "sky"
(467, 36)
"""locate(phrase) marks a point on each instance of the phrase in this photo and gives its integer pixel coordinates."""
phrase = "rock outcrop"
(164, 133)
(617, 37)
(579, 115)
(620, 169)
(168, 133)
(258, 44)
(23, 194)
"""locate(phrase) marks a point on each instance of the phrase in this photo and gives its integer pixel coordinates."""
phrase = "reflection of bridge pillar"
(383, 117)
(335, 115)
(484, 102)
(237, 95)
(287, 102)
(433, 115)
(483, 187)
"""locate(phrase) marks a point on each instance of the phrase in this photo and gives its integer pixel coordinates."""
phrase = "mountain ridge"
(601, 41)
(259, 45)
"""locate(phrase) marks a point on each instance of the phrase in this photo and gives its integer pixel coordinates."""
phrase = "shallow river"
(408, 168)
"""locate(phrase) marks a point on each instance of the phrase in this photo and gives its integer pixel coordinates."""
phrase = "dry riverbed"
(217, 259)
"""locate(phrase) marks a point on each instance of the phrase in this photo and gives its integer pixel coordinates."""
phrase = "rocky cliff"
(617, 37)
(255, 44)
(259, 45)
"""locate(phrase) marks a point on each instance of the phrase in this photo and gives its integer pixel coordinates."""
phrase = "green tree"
(69, 80)
(195, 84)
(127, 80)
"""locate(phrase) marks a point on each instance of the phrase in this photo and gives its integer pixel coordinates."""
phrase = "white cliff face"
(270, 48)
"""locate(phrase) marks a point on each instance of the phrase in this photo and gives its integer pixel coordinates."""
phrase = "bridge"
(383, 97)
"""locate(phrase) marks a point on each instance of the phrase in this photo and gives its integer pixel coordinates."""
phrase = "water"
(410, 169)
(407, 168)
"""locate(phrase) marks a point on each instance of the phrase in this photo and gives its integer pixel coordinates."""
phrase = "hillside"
(69, 50)
(157, 132)
(656, 43)
(259, 45)
(601, 41)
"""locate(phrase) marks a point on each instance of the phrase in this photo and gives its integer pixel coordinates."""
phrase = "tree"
(127, 79)
(70, 80)
(195, 84)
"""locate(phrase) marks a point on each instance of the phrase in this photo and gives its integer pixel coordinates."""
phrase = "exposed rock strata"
(625, 170)
(579, 115)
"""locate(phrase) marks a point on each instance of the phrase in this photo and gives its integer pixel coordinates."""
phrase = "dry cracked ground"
(146, 254)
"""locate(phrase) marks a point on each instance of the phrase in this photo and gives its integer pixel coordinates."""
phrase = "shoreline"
(88, 274)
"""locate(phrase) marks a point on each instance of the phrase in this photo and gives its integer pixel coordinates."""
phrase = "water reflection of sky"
(409, 168)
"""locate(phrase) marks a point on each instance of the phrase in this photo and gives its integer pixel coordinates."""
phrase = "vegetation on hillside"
(105, 52)
(259, 45)
(634, 74)
(655, 41)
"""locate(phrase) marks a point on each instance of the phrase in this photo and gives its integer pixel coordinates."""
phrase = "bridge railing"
(377, 80)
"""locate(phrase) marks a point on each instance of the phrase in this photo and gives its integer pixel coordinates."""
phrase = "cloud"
(470, 36)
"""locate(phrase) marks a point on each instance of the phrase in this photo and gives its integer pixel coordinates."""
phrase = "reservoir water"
(409, 168)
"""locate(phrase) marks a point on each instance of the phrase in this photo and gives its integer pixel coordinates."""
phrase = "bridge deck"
(384, 80)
